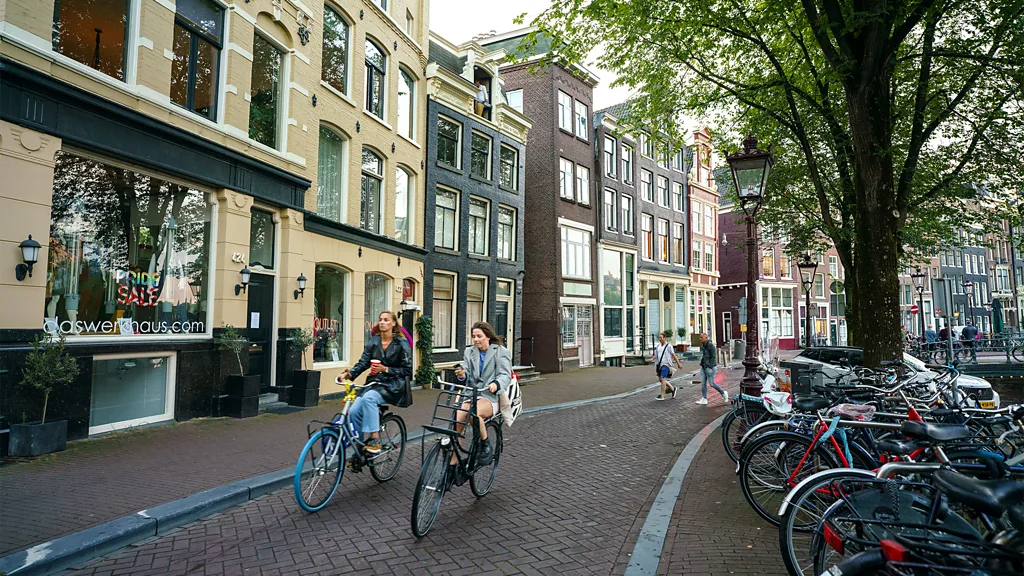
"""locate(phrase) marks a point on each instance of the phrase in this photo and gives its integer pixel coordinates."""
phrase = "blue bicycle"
(322, 461)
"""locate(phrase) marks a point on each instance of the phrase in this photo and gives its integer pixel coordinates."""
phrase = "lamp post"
(918, 278)
(750, 169)
(969, 291)
(808, 268)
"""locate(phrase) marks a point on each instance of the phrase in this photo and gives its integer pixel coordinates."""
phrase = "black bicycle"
(436, 476)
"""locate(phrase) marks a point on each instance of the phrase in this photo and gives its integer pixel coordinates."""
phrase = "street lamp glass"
(918, 278)
(750, 174)
(29, 251)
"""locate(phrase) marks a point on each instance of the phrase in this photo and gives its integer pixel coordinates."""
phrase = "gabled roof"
(444, 58)
(620, 110)
(509, 42)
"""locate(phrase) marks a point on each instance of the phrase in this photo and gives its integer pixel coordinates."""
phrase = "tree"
(881, 113)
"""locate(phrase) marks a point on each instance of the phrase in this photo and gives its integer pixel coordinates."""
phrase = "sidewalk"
(95, 481)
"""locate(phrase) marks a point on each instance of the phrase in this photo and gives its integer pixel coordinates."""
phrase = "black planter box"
(306, 380)
(241, 407)
(36, 439)
(304, 398)
(243, 386)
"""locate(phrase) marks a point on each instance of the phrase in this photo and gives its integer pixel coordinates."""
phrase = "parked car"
(829, 357)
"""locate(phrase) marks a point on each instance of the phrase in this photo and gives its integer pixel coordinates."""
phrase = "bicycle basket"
(860, 412)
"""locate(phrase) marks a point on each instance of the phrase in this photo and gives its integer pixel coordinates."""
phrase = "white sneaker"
(702, 401)
(725, 397)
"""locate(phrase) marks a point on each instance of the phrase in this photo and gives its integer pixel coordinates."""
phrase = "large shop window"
(198, 30)
(128, 253)
(611, 272)
(376, 70)
(369, 198)
(444, 301)
(403, 206)
(329, 301)
(334, 70)
(476, 293)
(376, 295)
(265, 94)
(131, 390)
(93, 32)
(330, 182)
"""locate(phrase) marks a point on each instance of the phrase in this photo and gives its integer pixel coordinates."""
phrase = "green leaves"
(49, 366)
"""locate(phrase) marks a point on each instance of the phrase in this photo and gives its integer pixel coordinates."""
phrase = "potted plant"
(305, 389)
(47, 367)
(682, 345)
(239, 384)
(425, 375)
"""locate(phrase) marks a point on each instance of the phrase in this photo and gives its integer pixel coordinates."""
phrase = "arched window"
(330, 175)
(334, 69)
(376, 85)
(376, 296)
(406, 105)
(370, 201)
(403, 206)
(330, 286)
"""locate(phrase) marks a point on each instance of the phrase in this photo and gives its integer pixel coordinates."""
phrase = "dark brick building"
(474, 214)
(561, 283)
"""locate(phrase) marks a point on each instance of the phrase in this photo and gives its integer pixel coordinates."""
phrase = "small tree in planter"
(239, 385)
(425, 376)
(47, 367)
(305, 390)
(681, 346)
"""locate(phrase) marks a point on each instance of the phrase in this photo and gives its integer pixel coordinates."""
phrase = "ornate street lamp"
(969, 291)
(918, 278)
(808, 268)
(750, 169)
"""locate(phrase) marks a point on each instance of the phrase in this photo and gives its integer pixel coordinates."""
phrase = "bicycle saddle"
(935, 432)
(897, 447)
(993, 497)
(809, 403)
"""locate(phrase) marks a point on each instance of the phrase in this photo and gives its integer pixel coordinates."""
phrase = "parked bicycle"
(322, 461)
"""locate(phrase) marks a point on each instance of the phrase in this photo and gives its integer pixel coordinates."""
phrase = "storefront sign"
(123, 326)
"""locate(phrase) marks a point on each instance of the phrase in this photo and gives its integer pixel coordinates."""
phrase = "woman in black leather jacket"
(386, 382)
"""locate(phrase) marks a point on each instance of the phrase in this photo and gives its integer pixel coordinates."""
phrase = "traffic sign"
(914, 309)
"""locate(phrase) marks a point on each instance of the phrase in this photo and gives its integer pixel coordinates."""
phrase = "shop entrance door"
(584, 334)
(260, 322)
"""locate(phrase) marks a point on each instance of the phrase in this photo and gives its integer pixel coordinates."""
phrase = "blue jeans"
(707, 376)
(365, 414)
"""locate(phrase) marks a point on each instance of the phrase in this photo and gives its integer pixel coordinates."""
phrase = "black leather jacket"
(398, 359)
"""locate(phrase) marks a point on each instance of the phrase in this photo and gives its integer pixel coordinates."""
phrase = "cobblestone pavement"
(98, 480)
(571, 495)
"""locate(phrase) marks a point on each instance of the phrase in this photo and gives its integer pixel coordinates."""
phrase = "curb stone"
(74, 549)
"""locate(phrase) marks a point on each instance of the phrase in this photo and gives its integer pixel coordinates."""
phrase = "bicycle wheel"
(773, 464)
(963, 355)
(737, 423)
(430, 490)
(483, 477)
(385, 465)
(805, 508)
(319, 470)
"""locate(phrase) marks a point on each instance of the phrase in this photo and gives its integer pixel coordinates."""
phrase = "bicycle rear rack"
(445, 415)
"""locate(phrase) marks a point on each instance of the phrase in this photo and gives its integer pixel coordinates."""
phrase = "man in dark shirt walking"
(708, 364)
(967, 335)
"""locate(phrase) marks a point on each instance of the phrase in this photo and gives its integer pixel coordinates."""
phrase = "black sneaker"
(659, 397)
(486, 453)
(673, 391)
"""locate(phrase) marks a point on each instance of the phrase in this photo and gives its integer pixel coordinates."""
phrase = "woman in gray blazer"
(488, 368)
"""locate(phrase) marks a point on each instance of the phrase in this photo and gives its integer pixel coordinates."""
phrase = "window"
(92, 32)
(261, 239)
(476, 291)
(508, 167)
(698, 222)
(334, 68)
(408, 23)
(568, 326)
(330, 182)
(565, 179)
(369, 197)
(445, 219)
(695, 260)
(646, 145)
(833, 266)
(629, 280)
(768, 262)
(444, 310)
(677, 160)
(663, 193)
(449, 135)
(647, 236)
(784, 270)
(376, 85)
(709, 220)
(404, 206)
(609, 209)
(627, 214)
(583, 185)
(515, 100)
(647, 185)
(406, 105)
(478, 213)
(581, 120)
(265, 92)
(506, 233)
(663, 241)
(197, 43)
(709, 257)
(611, 295)
(677, 243)
(383, 4)
(677, 197)
(575, 253)
(819, 286)
(480, 157)
(504, 311)
(664, 158)
(131, 390)
(102, 283)
(564, 111)
(329, 314)
(777, 311)
(627, 164)
(609, 157)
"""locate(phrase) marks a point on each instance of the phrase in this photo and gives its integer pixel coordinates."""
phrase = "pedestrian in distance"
(968, 336)
(708, 366)
(663, 356)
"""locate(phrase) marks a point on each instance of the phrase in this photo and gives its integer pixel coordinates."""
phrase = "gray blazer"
(497, 369)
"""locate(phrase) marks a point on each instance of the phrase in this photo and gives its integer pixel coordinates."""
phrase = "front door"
(260, 322)
(584, 332)
(727, 326)
(643, 329)
(501, 323)
(629, 330)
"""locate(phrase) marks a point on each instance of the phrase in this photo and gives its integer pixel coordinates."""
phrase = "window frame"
(678, 243)
(455, 212)
(664, 241)
(678, 197)
(410, 205)
(584, 251)
(610, 210)
(582, 185)
(472, 232)
(128, 46)
(343, 345)
(197, 35)
(627, 164)
(519, 92)
(364, 207)
(626, 205)
(410, 123)
(347, 73)
(342, 177)
(370, 71)
(510, 234)
(514, 172)
(473, 152)
(280, 131)
(482, 301)
(609, 157)
(664, 193)
(647, 186)
(458, 142)
(566, 180)
(580, 119)
(450, 345)
(564, 114)
(647, 237)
